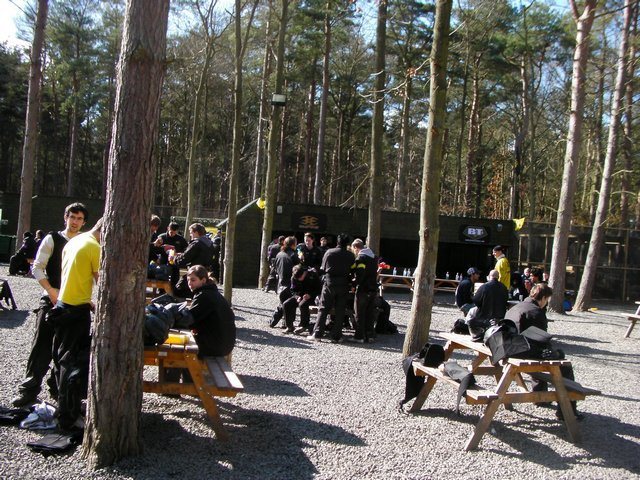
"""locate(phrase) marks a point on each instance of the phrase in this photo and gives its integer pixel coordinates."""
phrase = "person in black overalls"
(283, 264)
(336, 270)
(365, 271)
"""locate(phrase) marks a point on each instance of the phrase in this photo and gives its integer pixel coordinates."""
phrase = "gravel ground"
(329, 411)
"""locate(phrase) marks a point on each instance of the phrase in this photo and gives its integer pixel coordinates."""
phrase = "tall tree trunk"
(306, 174)
(583, 300)
(574, 141)
(115, 388)
(29, 148)
(514, 210)
(196, 134)
(258, 174)
(472, 142)
(420, 321)
(229, 244)
(272, 166)
(627, 143)
(463, 108)
(377, 132)
(400, 191)
(324, 101)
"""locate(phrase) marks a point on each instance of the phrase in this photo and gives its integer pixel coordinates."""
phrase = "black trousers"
(72, 348)
(41, 355)
(332, 297)
(365, 314)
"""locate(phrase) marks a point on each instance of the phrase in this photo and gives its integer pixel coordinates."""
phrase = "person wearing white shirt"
(46, 270)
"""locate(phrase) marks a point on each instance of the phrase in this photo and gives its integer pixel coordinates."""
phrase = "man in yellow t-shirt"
(502, 266)
(71, 318)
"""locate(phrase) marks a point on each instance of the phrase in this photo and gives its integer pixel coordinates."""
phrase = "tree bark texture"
(473, 141)
(377, 132)
(115, 383)
(420, 320)
(587, 282)
(29, 148)
(574, 141)
(625, 181)
(272, 159)
(229, 244)
(324, 101)
(258, 181)
(401, 191)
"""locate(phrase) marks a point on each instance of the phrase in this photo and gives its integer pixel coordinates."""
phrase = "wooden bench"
(633, 318)
(505, 374)
(212, 376)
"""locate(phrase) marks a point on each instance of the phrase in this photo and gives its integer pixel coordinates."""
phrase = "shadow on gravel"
(606, 442)
(267, 386)
(574, 338)
(585, 351)
(260, 312)
(13, 318)
(262, 445)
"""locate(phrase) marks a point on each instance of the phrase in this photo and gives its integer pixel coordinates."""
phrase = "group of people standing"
(331, 275)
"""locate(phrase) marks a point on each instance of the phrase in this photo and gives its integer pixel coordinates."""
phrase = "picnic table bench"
(212, 376)
(506, 374)
(154, 286)
(633, 318)
(406, 282)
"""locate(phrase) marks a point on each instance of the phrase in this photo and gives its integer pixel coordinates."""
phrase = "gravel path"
(329, 411)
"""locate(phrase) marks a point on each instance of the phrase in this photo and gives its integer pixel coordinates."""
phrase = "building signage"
(475, 234)
(309, 222)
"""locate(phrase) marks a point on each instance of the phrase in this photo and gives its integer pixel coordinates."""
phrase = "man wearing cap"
(502, 266)
(464, 292)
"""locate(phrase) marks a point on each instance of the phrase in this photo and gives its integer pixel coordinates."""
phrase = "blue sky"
(10, 12)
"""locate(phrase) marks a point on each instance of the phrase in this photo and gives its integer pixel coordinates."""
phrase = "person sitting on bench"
(214, 327)
(531, 313)
(20, 263)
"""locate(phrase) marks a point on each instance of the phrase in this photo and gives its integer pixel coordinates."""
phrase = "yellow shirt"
(80, 260)
(503, 268)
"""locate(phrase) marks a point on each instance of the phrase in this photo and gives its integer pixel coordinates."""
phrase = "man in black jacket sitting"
(199, 252)
(491, 298)
(464, 292)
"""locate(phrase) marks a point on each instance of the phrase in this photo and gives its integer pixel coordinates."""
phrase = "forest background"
(509, 90)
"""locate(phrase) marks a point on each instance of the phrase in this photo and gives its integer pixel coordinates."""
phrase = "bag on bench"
(504, 341)
(432, 355)
(460, 375)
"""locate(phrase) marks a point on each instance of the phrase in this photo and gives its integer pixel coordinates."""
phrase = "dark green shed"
(464, 242)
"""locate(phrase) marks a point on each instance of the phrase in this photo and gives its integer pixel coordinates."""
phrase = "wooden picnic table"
(154, 286)
(212, 376)
(505, 374)
(406, 282)
(633, 318)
